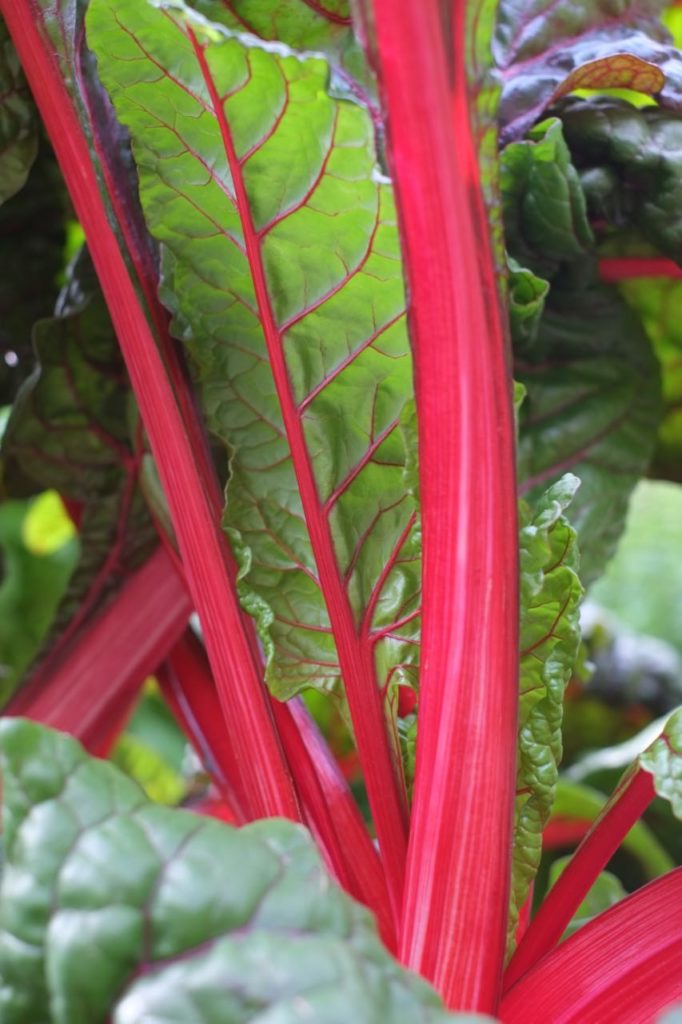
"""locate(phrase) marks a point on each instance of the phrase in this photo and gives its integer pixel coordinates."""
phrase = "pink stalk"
(239, 685)
(367, 880)
(190, 692)
(329, 807)
(623, 810)
(621, 968)
(459, 852)
(355, 652)
(95, 680)
(525, 914)
(628, 268)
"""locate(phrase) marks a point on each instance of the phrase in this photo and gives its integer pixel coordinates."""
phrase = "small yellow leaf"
(46, 526)
(619, 71)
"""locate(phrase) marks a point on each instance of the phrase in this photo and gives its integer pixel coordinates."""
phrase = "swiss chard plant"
(334, 344)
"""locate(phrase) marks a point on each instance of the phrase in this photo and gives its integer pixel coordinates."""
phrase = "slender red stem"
(459, 853)
(189, 690)
(329, 808)
(363, 864)
(96, 678)
(627, 268)
(621, 968)
(623, 810)
(355, 656)
(240, 688)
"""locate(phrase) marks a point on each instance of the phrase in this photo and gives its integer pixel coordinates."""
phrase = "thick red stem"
(95, 680)
(621, 968)
(623, 810)
(240, 688)
(458, 872)
(627, 268)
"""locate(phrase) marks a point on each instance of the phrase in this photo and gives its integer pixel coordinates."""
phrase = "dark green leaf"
(593, 392)
(117, 909)
(18, 121)
(69, 431)
(550, 637)
(545, 216)
(630, 164)
(323, 236)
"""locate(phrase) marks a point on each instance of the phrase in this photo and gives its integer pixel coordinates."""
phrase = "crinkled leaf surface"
(304, 254)
(68, 430)
(117, 909)
(593, 393)
(550, 636)
(18, 121)
(545, 216)
(544, 48)
(630, 164)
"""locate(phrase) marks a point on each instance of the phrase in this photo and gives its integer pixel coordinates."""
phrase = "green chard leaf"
(545, 50)
(592, 382)
(18, 121)
(69, 430)
(286, 272)
(208, 923)
(550, 638)
(630, 166)
(324, 27)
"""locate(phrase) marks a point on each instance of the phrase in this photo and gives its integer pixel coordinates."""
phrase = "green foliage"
(317, 274)
(18, 121)
(214, 923)
(550, 634)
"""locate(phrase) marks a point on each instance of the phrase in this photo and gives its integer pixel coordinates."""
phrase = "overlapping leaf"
(69, 431)
(550, 635)
(212, 923)
(322, 26)
(18, 121)
(663, 760)
(630, 166)
(302, 254)
(545, 50)
(593, 393)
(657, 302)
